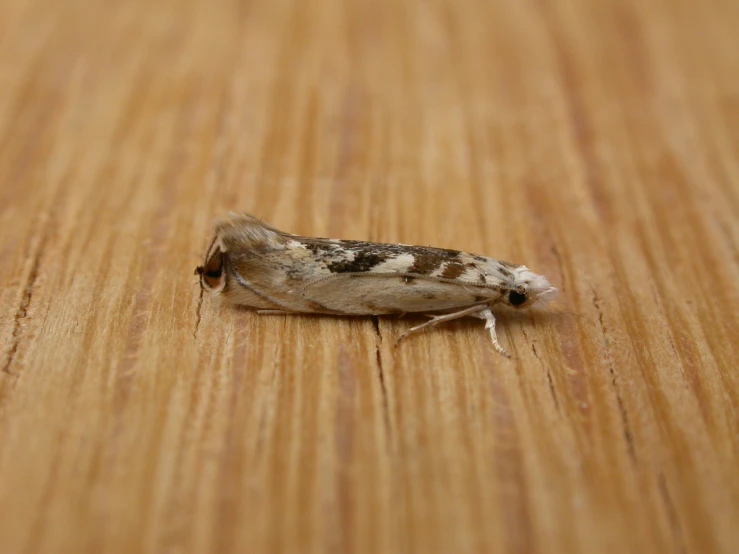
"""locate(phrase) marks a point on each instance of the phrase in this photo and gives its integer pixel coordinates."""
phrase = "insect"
(252, 264)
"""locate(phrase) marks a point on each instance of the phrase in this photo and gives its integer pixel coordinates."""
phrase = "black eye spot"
(516, 298)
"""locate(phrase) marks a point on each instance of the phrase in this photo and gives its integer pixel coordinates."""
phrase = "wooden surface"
(596, 142)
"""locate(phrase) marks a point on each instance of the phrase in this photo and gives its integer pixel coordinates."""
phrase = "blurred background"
(595, 142)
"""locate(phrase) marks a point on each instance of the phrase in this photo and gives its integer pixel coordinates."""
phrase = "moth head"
(232, 236)
(527, 288)
(213, 272)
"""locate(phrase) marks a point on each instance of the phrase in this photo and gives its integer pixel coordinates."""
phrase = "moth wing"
(372, 293)
(310, 275)
(272, 280)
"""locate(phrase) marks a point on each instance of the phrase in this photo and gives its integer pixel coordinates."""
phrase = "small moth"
(252, 264)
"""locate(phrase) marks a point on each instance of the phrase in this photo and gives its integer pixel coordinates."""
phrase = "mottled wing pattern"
(309, 274)
(365, 277)
(349, 256)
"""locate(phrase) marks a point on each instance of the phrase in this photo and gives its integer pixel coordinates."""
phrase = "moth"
(250, 263)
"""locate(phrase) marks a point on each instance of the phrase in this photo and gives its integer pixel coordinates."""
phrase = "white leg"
(436, 319)
(489, 318)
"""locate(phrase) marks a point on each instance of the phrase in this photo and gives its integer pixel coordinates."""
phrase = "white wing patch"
(399, 264)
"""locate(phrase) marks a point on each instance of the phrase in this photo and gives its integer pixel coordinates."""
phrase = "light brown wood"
(596, 142)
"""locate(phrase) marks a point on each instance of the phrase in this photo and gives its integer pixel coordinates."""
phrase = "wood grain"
(596, 142)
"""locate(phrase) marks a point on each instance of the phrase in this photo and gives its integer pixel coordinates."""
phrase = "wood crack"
(609, 362)
(21, 313)
(198, 317)
(546, 367)
(381, 372)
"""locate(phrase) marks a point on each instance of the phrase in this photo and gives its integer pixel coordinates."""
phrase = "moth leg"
(489, 318)
(436, 319)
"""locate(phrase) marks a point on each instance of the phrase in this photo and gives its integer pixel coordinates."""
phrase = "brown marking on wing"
(510, 265)
(424, 264)
(505, 272)
(453, 270)
(363, 261)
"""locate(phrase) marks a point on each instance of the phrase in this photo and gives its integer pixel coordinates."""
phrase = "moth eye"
(516, 298)
(213, 269)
